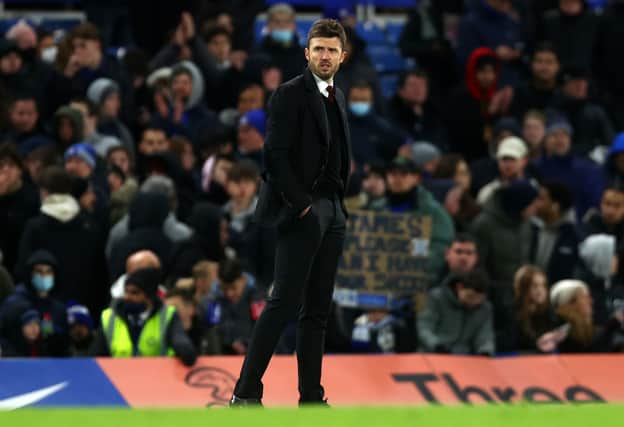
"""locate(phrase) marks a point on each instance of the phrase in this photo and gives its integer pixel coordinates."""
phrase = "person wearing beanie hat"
(80, 329)
(140, 325)
(512, 160)
(405, 194)
(503, 220)
(251, 133)
(426, 156)
(560, 164)
(80, 160)
(100, 89)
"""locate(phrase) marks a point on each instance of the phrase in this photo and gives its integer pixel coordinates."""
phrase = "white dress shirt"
(322, 85)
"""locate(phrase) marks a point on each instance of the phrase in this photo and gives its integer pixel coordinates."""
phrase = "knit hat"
(424, 152)
(255, 119)
(79, 315)
(29, 145)
(83, 151)
(513, 147)
(517, 196)
(597, 253)
(29, 316)
(146, 279)
(100, 89)
(8, 46)
(557, 124)
(564, 291)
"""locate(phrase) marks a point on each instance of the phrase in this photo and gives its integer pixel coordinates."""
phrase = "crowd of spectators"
(129, 178)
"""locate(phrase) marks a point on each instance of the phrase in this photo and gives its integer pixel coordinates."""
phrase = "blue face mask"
(43, 283)
(360, 109)
(282, 36)
(134, 307)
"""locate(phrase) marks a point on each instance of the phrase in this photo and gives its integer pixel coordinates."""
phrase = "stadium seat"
(371, 33)
(389, 84)
(393, 32)
(388, 59)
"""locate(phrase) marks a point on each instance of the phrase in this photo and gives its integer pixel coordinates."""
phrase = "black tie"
(331, 94)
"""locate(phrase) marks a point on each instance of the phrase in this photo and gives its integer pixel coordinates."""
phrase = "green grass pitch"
(462, 416)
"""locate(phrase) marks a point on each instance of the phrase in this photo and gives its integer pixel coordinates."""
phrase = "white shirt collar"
(322, 85)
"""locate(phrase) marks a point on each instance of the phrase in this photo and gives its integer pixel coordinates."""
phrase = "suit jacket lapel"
(316, 104)
(345, 124)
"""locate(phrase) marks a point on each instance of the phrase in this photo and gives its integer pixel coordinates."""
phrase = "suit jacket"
(296, 149)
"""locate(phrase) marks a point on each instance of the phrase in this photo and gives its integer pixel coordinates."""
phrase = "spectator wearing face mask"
(140, 325)
(36, 294)
(375, 140)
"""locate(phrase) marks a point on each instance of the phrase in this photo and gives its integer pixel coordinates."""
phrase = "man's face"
(547, 206)
(533, 131)
(43, 270)
(401, 182)
(245, 189)
(78, 167)
(571, 7)
(361, 94)
(10, 63)
(486, 76)
(461, 257)
(233, 291)
(111, 105)
(31, 331)
(219, 46)
(469, 297)
(324, 55)
(415, 90)
(87, 52)
(89, 121)
(65, 130)
(374, 185)
(249, 139)
(251, 98)
(24, 115)
(545, 66)
(612, 207)
(154, 141)
(120, 159)
(576, 88)
(182, 86)
(10, 175)
(558, 143)
(133, 294)
(511, 168)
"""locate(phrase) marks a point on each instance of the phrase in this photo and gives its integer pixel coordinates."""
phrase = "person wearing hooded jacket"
(147, 214)
(139, 325)
(67, 127)
(36, 293)
(472, 110)
(185, 114)
(207, 243)
(73, 238)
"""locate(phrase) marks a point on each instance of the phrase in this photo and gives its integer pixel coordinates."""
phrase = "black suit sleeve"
(180, 342)
(283, 129)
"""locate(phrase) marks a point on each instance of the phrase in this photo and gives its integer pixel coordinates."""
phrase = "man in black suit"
(307, 159)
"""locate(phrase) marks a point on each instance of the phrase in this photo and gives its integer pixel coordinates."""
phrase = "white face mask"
(48, 54)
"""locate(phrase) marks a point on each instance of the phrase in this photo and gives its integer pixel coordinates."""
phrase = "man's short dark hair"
(86, 31)
(23, 96)
(616, 186)
(153, 128)
(244, 170)
(327, 28)
(361, 84)
(230, 270)
(560, 194)
(55, 180)
(545, 47)
(464, 238)
(8, 152)
(91, 107)
(212, 31)
(186, 295)
(477, 280)
(118, 148)
(411, 73)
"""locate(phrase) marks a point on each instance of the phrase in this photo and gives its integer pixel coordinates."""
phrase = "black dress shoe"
(313, 403)
(240, 402)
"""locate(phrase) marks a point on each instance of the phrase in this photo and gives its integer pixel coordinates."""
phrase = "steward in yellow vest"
(139, 325)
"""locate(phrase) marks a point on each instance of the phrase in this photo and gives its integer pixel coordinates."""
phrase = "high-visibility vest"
(152, 341)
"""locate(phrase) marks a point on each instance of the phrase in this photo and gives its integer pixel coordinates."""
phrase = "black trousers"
(306, 259)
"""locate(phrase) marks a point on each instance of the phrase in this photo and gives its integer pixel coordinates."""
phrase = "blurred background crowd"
(131, 155)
